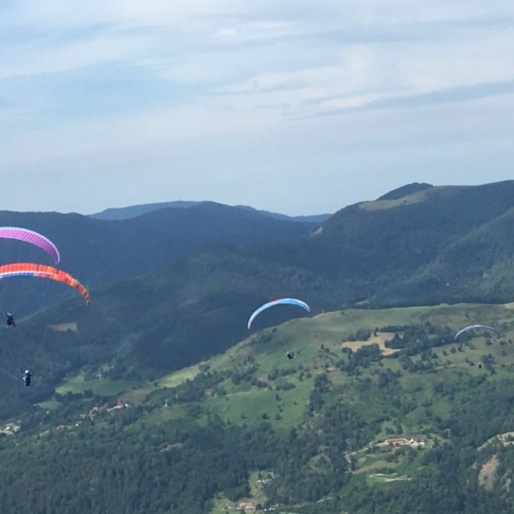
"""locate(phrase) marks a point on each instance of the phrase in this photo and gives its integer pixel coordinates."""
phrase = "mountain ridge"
(132, 211)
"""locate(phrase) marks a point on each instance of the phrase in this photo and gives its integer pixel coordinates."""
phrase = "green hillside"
(157, 398)
(303, 435)
(434, 245)
(98, 252)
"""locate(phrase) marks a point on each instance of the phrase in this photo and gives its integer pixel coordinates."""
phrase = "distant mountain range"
(123, 213)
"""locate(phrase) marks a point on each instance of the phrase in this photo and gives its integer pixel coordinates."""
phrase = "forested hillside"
(377, 408)
(98, 252)
(170, 404)
(438, 244)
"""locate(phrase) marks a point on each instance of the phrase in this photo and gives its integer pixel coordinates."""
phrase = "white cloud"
(251, 90)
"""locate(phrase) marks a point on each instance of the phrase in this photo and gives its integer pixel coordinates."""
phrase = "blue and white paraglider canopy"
(480, 326)
(280, 301)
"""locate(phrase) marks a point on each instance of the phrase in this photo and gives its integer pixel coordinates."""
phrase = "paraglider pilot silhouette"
(26, 376)
(10, 319)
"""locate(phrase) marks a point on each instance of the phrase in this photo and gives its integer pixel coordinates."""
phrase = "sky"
(299, 107)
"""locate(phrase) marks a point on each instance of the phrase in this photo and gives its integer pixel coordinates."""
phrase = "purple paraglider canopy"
(29, 236)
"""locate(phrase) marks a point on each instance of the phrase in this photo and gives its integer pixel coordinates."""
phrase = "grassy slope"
(317, 344)
(306, 336)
